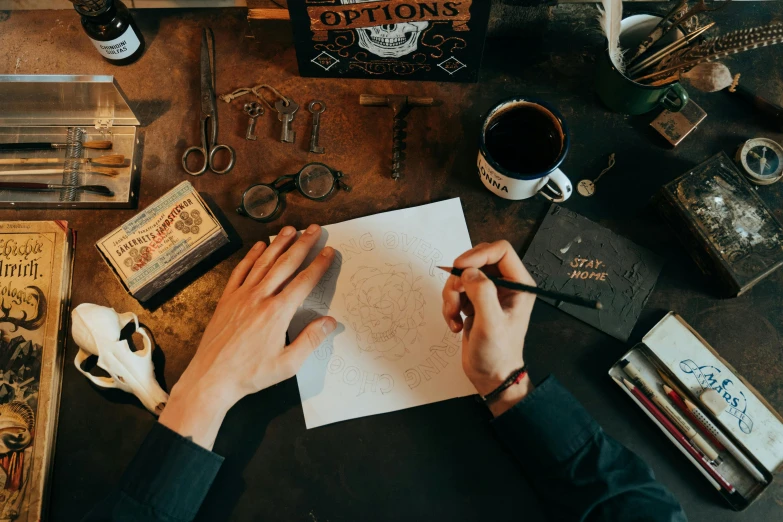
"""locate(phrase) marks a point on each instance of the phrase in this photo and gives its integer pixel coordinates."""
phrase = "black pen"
(513, 285)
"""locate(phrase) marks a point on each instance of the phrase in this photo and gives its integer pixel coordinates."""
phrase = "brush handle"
(30, 172)
(764, 106)
(8, 147)
(557, 296)
(40, 161)
(24, 185)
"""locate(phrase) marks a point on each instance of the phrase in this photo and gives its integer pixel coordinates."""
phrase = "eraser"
(713, 401)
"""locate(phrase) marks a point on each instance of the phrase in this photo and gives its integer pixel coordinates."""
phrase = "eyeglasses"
(265, 202)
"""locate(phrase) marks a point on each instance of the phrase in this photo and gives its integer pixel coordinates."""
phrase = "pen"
(667, 424)
(730, 446)
(513, 285)
(666, 407)
(678, 401)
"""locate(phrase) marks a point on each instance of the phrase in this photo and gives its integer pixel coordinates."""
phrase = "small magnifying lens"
(316, 181)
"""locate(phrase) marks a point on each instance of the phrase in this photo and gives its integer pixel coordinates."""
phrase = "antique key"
(254, 110)
(286, 115)
(316, 124)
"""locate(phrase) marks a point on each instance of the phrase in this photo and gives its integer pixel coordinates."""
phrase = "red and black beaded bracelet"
(515, 378)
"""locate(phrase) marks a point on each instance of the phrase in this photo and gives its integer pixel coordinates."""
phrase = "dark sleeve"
(578, 471)
(165, 482)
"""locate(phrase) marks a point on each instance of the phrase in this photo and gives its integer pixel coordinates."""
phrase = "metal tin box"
(753, 427)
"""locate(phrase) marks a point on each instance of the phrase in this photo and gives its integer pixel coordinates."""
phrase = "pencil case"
(673, 353)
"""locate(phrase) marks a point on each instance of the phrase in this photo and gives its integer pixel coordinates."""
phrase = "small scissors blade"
(208, 103)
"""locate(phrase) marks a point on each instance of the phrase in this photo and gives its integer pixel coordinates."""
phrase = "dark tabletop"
(437, 462)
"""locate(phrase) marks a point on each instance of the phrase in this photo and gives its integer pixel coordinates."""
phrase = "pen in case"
(672, 429)
(666, 407)
(730, 446)
(678, 401)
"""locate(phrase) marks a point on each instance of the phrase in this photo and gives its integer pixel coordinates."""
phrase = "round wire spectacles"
(265, 202)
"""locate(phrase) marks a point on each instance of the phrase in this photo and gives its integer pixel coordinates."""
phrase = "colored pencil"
(521, 287)
(678, 401)
(669, 426)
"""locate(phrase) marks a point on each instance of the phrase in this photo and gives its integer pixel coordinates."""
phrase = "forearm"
(577, 469)
(195, 413)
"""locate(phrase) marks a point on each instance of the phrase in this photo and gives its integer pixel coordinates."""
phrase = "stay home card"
(390, 39)
(571, 254)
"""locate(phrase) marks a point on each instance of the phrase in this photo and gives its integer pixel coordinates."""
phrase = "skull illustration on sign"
(96, 329)
(390, 40)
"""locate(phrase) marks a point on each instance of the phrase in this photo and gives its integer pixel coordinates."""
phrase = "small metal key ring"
(313, 104)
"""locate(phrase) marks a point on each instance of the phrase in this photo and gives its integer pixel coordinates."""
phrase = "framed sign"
(431, 40)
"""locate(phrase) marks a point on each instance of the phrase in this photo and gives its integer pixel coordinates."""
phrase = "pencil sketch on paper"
(391, 349)
(386, 309)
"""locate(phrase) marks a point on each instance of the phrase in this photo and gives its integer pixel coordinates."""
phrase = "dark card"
(431, 40)
(573, 255)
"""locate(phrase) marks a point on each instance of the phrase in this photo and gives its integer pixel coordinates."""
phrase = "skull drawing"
(390, 40)
(96, 329)
(388, 308)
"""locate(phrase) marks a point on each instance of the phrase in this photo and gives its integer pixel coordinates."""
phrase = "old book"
(571, 254)
(164, 241)
(725, 226)
(36, 261)
(390, 39)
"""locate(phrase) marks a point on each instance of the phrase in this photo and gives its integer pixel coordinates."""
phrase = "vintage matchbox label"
(157, 238)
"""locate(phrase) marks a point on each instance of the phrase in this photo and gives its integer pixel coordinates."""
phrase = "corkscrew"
(402, 106)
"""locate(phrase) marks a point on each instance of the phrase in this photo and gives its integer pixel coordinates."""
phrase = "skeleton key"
(286, 115)
(254, 110)
(316, 125)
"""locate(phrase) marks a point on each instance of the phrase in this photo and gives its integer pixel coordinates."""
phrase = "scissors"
(209, 117)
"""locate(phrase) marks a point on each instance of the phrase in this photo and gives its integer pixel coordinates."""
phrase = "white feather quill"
(609, 17)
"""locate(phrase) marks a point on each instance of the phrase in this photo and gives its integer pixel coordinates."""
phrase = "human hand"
(243, 347)
(496, 319)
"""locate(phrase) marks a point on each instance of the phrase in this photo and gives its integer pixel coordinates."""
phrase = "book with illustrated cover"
(36, 261)
(571, 254)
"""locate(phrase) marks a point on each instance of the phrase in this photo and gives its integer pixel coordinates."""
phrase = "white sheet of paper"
(392, 349)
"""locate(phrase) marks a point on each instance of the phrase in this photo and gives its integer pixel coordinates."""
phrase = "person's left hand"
(243, 348)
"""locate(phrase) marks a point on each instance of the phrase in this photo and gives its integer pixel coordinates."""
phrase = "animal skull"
(96, 329)
(390, 40)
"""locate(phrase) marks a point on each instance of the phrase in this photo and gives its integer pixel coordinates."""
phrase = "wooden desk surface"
(437, 462)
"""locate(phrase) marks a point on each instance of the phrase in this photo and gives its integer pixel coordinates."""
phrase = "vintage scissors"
(209, 117)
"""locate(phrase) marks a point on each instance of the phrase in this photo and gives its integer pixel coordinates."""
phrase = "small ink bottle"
(112, 30)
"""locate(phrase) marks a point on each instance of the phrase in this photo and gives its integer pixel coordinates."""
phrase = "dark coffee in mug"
(525, 139)
(522, 144)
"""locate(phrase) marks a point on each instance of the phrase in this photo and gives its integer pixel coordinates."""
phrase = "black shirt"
(578, 471)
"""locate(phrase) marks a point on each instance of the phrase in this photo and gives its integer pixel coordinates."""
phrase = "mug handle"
(562, 189)
(675, 98)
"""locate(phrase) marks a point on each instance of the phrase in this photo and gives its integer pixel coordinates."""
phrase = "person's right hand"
(496, 319)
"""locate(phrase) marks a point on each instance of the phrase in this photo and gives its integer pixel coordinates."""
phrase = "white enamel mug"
(551, 183)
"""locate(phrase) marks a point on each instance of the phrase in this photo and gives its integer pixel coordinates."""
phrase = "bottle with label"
(112, 30)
